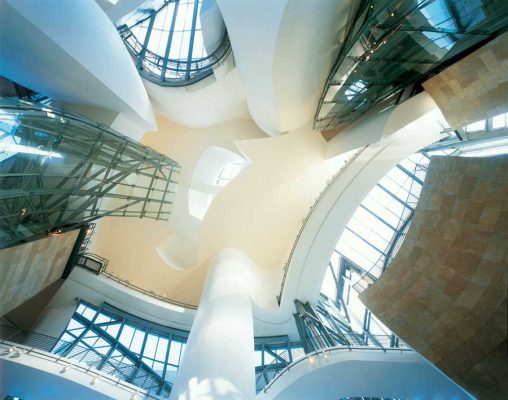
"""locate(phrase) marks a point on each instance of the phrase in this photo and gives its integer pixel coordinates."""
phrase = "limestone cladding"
(475, 87)
(445, 292)
(27, 269)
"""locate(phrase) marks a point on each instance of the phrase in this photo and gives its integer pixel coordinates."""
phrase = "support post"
(219, 358)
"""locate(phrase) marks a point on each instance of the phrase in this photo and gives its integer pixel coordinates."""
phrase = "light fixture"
(19, 148)
(64, 369)
(94, 380)
(311, 359)
(54, 231)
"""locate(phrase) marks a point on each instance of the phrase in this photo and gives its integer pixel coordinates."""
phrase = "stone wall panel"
(445, 293)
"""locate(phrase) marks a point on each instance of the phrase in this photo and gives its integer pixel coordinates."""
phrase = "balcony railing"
(168, 72)
(15, 343)
(290, 357)
(98, 265)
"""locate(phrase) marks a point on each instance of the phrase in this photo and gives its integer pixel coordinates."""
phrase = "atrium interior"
(253, 199)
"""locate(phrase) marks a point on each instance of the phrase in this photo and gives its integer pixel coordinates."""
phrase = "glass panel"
(174, 353)
(89, 313)
(101, 318)
(162, 348)
(126, 336)
(476, 126)
(150, 346)
(137, 341)
(113, 329)
(499, 121)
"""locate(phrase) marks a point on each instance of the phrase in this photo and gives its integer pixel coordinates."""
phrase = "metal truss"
(122, 345)
(62, 170)
(160, 68)
(272, 355)
(392, 46)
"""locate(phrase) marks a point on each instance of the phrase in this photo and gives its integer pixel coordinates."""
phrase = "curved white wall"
(204, 104)
(331, 215)
(357, 373)
(99, 289)
(283, 51)
(37, 375)
(70, 51)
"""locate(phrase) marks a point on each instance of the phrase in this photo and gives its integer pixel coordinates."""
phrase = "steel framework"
(58, 170)
(392, 45)
(158, 66)
(134, 350)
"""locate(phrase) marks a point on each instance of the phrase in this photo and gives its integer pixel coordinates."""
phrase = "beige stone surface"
(27, 269)
(445, 293)
(475, 87)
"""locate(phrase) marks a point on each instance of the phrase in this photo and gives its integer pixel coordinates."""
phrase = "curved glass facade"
(127, 347)
(59, 170)
(392, 45)
(377, 228)
(165, 39)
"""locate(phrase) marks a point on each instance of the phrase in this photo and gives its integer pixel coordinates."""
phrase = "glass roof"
(165, 39)
(378, 227)
(392, 45)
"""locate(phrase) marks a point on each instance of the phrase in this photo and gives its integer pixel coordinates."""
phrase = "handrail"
(309, 214)
(102, 271)
(324, 352)
(36, 348)
(150, 293)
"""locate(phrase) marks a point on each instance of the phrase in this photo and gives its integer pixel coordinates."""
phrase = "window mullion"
(147, 38)
(166, 361)
(170, 40)
(191, 43)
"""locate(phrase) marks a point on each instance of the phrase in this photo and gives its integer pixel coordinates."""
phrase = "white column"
(218, 362)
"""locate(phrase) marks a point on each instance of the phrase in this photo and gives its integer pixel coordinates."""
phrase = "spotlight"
(94, 380)
(311, 359)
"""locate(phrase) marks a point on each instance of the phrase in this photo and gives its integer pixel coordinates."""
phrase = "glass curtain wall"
(392, 45)
(165, 38)
(378, 227)
(137, 351)
(59, 170)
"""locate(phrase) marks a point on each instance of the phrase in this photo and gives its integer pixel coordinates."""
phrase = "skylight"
(165, 38)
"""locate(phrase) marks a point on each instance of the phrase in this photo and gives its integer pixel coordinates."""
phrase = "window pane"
(137, 341)
(150, 346)
(89, 314)
(161, 349)
(126, 336)
(174, 353)
(499, 121)
(113, 329)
